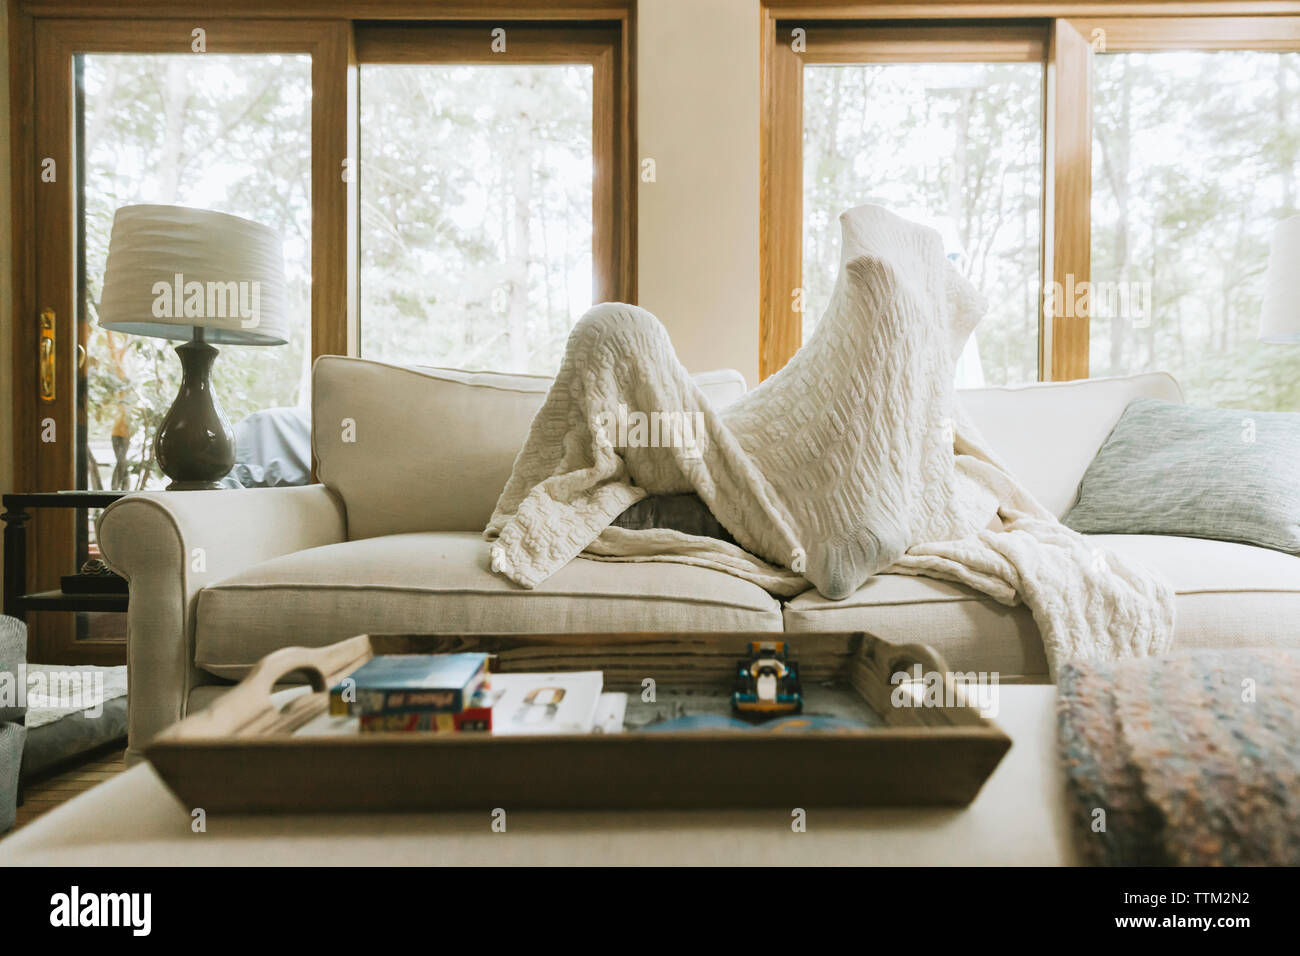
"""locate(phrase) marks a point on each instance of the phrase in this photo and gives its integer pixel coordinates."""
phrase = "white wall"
(697, 225)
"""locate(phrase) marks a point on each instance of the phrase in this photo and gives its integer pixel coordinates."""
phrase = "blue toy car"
(767, 684)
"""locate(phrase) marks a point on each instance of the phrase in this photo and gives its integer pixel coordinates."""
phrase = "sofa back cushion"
(1047, 434)
(413, 448)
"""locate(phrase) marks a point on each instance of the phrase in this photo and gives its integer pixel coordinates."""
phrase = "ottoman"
(1018, 818)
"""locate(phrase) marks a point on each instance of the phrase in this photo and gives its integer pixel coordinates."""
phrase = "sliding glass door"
(496, 168)
(223, 117)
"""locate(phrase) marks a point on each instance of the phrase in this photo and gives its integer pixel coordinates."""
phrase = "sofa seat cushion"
(1228, 595)
(441, 581)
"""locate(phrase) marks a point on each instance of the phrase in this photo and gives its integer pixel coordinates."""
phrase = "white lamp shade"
(1280, 322)
(172, 269)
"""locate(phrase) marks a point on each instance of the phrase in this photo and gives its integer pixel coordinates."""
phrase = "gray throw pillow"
(1197, 472)
(685, 513)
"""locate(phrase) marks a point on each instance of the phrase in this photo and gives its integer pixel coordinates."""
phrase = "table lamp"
(200, 277)
(1280, 322)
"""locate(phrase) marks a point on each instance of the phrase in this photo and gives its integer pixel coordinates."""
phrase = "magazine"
(561, 703)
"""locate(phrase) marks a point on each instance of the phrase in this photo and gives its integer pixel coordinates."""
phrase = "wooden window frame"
(1067, 128)
(43, 33)
(1068, 338)
(45, 229)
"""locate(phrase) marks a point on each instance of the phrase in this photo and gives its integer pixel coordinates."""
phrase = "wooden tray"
(241, 753)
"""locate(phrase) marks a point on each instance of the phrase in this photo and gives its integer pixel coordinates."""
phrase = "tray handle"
(880, 660)
(247, 709)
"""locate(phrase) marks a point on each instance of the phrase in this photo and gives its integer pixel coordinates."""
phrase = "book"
(472, 719)
(477, 717)
(410, 683)
(559, 703)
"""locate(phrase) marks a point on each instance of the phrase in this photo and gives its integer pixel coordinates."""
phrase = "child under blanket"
(853, 460)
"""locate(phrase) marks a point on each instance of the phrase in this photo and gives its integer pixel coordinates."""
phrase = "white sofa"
(411, 461)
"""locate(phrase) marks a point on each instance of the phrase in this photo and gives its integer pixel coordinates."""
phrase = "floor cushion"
(72, 736)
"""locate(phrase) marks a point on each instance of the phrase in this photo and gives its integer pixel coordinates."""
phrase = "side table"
(18, 508)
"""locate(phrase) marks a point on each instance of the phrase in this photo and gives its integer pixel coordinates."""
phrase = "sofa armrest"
(169, 545)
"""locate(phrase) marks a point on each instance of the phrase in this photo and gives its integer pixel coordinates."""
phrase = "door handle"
(45, 367)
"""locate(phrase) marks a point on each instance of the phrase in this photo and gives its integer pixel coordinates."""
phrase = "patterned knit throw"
(853, 460)
(1188, 760)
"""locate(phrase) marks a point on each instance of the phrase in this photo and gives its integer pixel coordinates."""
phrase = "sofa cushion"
(426, 449)
(1228, 595)
(1047, 434)
(1216, 473)
(441, 581)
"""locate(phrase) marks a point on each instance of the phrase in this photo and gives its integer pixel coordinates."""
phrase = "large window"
(230, 133)
(223, 115)
(941, 124)
(1110, 185)
(954, 145)
(1194, 159)
(476, 213)
(489, 170)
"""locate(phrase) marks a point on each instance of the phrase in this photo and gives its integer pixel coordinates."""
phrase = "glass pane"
(225, 132)
(1194, 161)
(954, 145)
(476, 217)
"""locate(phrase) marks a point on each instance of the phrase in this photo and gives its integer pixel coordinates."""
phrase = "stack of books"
(434, 692)
(457, 693)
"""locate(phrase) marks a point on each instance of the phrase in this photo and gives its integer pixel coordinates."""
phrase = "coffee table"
(1018, 818)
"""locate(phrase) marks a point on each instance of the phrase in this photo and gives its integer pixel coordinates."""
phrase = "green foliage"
(476, 186)
(1195, 161)
(956, 145)
(476, 203)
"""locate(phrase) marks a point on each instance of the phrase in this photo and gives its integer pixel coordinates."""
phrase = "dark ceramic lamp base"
(195, 446)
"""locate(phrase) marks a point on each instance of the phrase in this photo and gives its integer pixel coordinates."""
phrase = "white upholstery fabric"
(1047, 434)
(440, 581)
(286, 575)
(1228, 595)
(433, 447)
(169, 545)
(427, 449)
(854, 459)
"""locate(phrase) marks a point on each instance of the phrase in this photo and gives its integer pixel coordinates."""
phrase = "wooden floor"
(43, 794)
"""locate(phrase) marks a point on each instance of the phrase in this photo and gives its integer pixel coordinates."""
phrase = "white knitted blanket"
(853, 460)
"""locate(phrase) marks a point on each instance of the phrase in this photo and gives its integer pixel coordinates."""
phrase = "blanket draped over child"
(854, 460)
